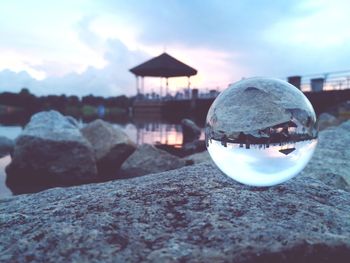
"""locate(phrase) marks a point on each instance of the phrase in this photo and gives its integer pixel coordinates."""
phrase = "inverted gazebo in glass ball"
(261, 131)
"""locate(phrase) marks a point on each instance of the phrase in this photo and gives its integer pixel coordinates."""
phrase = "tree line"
(29, 102)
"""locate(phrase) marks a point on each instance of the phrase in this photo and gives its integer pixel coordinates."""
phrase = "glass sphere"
(261, 131)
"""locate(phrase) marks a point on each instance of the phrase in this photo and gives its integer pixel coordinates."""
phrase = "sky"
(86, 47)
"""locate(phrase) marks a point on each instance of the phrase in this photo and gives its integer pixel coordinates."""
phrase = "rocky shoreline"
(189, 214)
(54, 150)
(192, 214)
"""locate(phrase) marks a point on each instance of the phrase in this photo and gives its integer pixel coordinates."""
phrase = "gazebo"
(163, 66)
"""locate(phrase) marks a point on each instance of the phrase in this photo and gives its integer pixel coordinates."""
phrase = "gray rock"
(193, 214)
(50, 152)
(193, 147)
(73, 121)
(330, 161)
(326, 120)
(190, 131)
(197, 158)
(111, 146)
(6, 146)
(148, 159)
(343, 111)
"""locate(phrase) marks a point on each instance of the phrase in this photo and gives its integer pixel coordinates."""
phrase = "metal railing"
(337, 80)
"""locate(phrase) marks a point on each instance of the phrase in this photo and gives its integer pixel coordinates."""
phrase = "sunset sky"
(85, 47)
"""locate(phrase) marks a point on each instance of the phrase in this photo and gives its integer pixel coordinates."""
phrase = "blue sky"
(86, 47)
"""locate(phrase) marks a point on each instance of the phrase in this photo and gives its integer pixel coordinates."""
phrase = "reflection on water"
(152, 133)
(10, 132)
(155, 133)
(4, 191)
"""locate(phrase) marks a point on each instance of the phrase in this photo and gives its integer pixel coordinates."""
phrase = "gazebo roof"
(165, 66)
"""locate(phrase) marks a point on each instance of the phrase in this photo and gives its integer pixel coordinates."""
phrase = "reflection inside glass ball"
(261, 131)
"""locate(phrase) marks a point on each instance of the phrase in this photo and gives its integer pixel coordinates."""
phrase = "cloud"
(86, 35)
(111, 80)
(99, 41)
(10, 80)
(225, 24)
(275, 38)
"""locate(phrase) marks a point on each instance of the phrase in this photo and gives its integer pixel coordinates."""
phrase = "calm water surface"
(152, 133)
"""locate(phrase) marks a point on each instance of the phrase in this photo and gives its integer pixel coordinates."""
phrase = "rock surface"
(330, 161)
(197, 158)
(326, 120)
(148, 159)
(344, 111)
(194, 147)
(6, 146)
(190, 131)
(111, 146)
(50, 152)
(193, 214)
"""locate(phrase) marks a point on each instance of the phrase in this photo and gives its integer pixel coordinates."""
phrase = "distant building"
(317, 84)
(295, 81)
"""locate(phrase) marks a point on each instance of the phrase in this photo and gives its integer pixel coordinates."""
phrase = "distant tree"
(24, 99)
(24, 91)
(73, 101)
(92, 100)
(120, 102)
(9, 98)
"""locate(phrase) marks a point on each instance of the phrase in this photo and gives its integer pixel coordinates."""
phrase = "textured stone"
(193, 147)
(197, 158)
(148, 159)
(190, 131)
(111, 146)
(193, 214)
(50, 152)
(330, 161)
(326, 120)
(6, 146)
(343, 111)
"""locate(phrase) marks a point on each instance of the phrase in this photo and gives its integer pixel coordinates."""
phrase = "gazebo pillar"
(143, 84)
(166, 87)
(137, 85)
(161, 88)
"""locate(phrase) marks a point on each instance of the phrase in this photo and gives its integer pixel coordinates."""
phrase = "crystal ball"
(261, 131)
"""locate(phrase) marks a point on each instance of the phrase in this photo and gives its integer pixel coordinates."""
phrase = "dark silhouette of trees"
(26, 104)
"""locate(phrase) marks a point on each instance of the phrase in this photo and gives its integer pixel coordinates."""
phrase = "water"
(4, 191)
(261, 131)
(148, 132)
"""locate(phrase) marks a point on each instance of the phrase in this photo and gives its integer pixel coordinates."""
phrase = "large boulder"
(190, 131)
(111, 146)
(330, 161)
(148, 159)
(193, 147)
(6, 146)
(197, 158)
(344, 110)
(50, 152)
(326, 120)
(193, 214)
